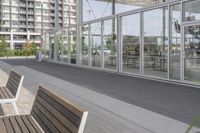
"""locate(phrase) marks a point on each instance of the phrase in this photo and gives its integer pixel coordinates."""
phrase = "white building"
(25, 20)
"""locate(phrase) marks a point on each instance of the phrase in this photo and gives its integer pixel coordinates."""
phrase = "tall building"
(25, 20)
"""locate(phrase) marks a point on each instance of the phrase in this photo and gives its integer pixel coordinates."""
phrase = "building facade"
(160, 42)
(25, 20)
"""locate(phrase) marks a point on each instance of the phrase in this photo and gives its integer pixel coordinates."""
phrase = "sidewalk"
(18, 57)
(106, 114)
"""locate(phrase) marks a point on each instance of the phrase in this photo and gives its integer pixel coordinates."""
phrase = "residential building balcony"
(22, 4)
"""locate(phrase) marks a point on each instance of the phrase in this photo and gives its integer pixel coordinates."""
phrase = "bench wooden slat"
(52, 118)
(2, 94)
(15, 75)
(67, 104)
(63, 120)
(66, 111)
(43, 126)
(13, 82)
(2, 126)
(30, 118)
(5, 93)
(15, 125)
(14, 79)
(54, 112)
(8, 125)
(21, 124)
(45, 121)
(12, 87)
(49, 113)
(28, 124)
(8, 92)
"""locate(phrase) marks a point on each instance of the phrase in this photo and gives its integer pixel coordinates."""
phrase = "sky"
(101, 9)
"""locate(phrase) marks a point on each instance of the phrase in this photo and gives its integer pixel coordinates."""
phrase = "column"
(11, 40)
(78, 34)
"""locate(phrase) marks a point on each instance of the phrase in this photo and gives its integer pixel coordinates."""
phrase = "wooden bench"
(50, 114)
(10, 93)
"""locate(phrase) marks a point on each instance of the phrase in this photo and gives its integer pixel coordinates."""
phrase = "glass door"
(191, 53)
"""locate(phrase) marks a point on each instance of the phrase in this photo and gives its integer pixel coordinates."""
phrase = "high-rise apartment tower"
(25, 20)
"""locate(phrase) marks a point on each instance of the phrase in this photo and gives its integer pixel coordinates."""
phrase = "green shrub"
(3, 45)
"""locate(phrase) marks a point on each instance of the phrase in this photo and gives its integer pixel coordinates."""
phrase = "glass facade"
(175, 42)
(191, 11)
(95, 43)
(85, 46)
(155, 42)
(192, 53)
(59, 46)
(131, 37)
(65, 53)
(72, 44)
(45, 44)
(110, 44)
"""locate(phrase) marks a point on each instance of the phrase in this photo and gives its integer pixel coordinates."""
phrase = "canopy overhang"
(192, 8)
(134, 2)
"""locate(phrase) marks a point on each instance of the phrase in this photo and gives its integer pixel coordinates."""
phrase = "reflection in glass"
(65, 45)
(72, 46)
(155, 42)
(192, 53)
(131, 43)
(95, 42)
(45, 44)
(58, 42)
(85, 46)
(175, 40)
(110, 43)
(191, 10)
(51, 45)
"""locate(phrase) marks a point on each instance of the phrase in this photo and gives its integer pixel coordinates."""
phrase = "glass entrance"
(191, 53)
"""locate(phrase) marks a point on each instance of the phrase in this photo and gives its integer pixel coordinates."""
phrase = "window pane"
(95, 42)
(155, 42)
(65, 45)
(175, 41)
(131, 43)
(192, 53)
(191, 10)
(51, 44)
(110, 44)
(58, 42)
(45, 44)
(85, 46)
(72, 39)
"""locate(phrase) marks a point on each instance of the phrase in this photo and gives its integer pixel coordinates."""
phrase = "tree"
(3, 45)
(27, 48)
(33, 48)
